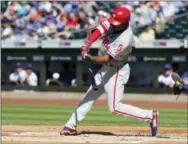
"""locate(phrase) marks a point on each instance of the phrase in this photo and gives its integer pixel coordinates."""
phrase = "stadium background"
(48, 35)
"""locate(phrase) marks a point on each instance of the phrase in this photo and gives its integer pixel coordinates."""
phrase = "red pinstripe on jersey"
(114, 102)
(104, 27)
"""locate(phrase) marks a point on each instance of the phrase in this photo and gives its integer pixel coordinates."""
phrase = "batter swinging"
(117, 40)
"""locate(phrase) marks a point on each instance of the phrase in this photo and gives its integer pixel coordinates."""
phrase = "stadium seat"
(177, 28)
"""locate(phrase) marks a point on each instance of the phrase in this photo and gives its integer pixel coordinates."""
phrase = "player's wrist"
(87, 45)
(88, 57)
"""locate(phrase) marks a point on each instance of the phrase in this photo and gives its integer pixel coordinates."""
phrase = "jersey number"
(120, 47)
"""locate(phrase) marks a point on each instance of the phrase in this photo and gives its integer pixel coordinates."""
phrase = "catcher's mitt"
(177, 89)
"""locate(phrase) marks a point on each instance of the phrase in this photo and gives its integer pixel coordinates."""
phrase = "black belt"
(110, 65)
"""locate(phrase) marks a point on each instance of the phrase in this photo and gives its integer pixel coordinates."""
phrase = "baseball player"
(180, 85)
(117, 40)
(18, 77)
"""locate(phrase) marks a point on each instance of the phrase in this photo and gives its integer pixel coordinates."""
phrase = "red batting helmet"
(120, 16)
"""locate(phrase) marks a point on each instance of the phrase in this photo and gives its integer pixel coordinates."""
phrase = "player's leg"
(114, 88)
(85, 104)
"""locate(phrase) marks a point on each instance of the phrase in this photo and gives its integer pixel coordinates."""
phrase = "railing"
(62, 44)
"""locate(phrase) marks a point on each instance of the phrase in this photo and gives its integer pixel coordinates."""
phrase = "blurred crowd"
(59, 19)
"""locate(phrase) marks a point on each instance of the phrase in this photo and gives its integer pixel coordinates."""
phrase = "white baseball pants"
(111, 81)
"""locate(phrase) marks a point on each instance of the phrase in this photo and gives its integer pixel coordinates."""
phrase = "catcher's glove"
(178, 86)
(177, 90)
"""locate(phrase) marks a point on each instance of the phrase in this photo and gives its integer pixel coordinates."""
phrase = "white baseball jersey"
(21, 76)
(111, 78)
(118, 45)
(166, 80)
(33, 80)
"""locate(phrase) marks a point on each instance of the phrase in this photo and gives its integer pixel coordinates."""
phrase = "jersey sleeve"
(13, 77)
(160, 79)
(104, 27)
(96, 33)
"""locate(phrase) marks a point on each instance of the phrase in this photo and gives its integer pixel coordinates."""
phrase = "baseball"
(56, 76)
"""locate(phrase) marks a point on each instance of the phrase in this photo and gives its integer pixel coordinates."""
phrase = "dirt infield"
(91, 134)
(18, 134)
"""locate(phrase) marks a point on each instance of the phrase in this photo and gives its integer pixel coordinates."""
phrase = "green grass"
(13, 114)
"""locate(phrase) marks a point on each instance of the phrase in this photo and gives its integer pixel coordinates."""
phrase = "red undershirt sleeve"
(99, 31)
(93, 37)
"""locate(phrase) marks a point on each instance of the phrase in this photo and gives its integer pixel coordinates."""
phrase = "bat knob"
(95, 88)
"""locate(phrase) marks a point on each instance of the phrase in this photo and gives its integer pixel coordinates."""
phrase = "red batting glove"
(84, 49)
(83, 53)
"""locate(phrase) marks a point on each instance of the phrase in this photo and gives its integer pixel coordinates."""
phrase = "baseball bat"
(92, 79)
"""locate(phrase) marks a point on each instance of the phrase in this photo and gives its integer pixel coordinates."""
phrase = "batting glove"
(83, 53)
(88, 57)
(85, 56)
(84, 50)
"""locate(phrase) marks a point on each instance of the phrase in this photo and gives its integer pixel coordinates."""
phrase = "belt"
(120, 65)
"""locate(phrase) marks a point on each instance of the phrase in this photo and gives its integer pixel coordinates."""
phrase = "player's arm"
(94, 35)
(99, 59)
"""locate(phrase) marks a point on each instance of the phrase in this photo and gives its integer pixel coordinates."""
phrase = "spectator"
(72, 22)
(72, 6)
(168, 9)
(56, 8)
(61, 21)
(51, 33)
(18, 76)
(22, 35)
(47, 6)
(178, 6)
(31, 25)
(31, 77)
(91, 20)
(16, 5)
(159, 27)
(83, 21)
(50, 18)
(165, 79)
(7, 31)
(37, 14)
(34, 14)
(139, 20)
(62, 30)
(103, 16)
(148, 34)
(89, 6)
(34, 35)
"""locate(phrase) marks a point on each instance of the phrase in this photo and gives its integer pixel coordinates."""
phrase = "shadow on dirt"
(97, 133)
(113, 134)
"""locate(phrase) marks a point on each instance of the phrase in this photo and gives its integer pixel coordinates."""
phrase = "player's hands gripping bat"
(86, 57)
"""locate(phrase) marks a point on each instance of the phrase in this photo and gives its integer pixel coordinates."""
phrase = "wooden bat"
(92, 79)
